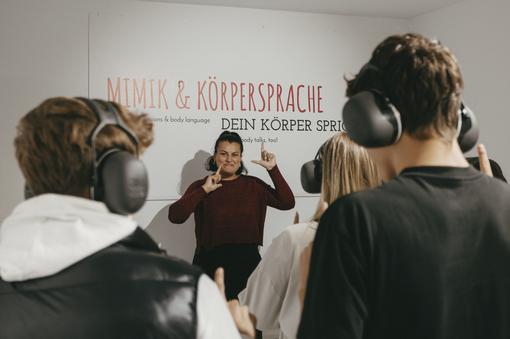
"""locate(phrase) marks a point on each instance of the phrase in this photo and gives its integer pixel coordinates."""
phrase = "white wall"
(44, 52)
(189, 44)
(477, 33)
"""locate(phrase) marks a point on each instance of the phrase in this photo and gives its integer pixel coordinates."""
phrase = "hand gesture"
(267, 160)
(485, 165)
(212, 181)
(245, 322)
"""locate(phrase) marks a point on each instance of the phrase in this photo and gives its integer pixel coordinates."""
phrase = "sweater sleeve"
(280, 197)
(180, 210)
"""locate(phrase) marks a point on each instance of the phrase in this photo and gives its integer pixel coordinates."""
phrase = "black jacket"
(128, 290)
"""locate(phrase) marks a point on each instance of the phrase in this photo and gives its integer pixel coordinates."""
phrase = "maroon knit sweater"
(234, 213)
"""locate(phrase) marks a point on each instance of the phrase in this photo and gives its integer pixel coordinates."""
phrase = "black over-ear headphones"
(119, 179)
(468, 129)
(311, 172)
(371, 120)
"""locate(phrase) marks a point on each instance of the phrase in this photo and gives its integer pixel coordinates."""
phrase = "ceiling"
(404, 9)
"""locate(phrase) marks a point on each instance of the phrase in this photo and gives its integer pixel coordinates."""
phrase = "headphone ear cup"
(318, 171)
(468, 132)
(371, 120)
(309, 174)
(123, 183)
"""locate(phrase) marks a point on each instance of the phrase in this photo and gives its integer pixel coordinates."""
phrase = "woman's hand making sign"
(212, 183)
(267, 160)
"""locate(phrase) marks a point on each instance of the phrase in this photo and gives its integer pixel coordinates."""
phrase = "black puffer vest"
(128, 290)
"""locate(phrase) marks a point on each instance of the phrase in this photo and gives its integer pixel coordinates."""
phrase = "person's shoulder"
(379, 195)
(172, 267)
(147, 264)
(252, 180)
(125, 265)
(247, 177)
(389, 193)
(295, 231)
(495, 188)
(291, 232)
(256, 181)
(497, 183)
(198, 182)
(283, 252)
(176, 266)
(290, 242)
(358, 208)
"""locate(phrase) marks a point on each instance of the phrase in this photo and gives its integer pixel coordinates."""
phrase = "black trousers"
(238, 261)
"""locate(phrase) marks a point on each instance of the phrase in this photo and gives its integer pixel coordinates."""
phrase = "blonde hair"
(346, 168)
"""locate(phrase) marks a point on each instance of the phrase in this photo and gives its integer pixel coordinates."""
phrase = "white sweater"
(272, 289)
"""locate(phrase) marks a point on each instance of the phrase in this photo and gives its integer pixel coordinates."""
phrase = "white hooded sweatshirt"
(50, 232)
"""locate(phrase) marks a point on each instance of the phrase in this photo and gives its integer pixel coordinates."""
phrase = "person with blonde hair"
(272, 290)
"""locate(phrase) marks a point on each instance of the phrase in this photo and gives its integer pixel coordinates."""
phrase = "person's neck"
(230, 178)
(412, 152)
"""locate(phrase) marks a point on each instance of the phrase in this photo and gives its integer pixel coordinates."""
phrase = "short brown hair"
(422, 79)
(53, 143)
(346, 168)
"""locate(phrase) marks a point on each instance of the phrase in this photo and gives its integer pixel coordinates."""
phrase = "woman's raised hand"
(212, 183)
(267, 160)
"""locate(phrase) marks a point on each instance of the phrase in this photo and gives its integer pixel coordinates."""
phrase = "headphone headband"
(119, 179)
(108, 117)
(372, 120)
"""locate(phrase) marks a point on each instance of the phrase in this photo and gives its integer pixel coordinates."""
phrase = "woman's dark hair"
(210, 164)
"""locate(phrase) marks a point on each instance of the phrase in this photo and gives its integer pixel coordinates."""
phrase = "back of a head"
(53, 145)
(346, 168)
(422, 80)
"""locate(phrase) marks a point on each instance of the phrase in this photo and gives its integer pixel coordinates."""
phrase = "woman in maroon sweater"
(230, 209)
